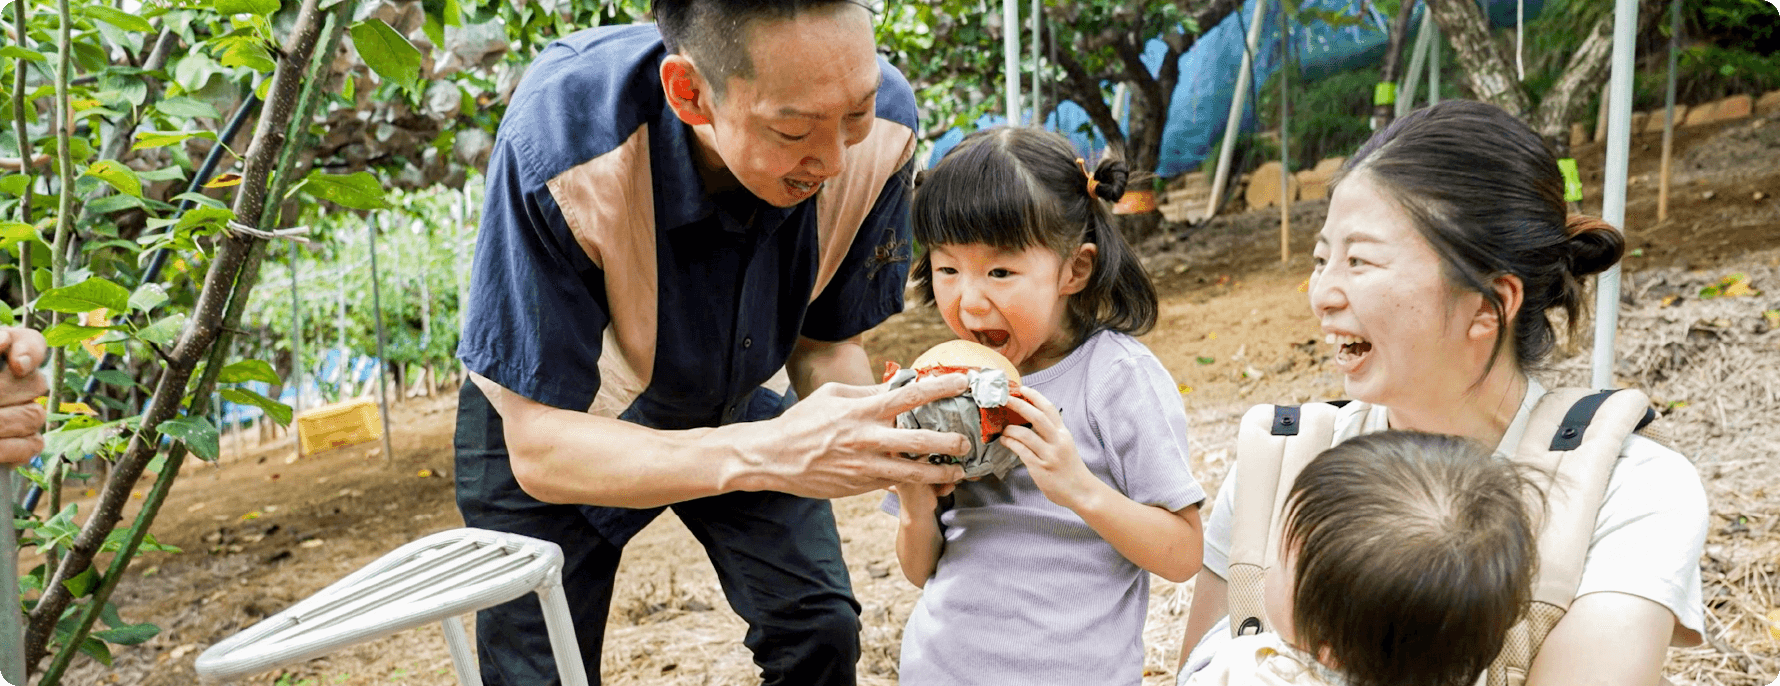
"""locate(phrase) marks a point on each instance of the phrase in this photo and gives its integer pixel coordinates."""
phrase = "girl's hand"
(921, 498)
(1049, 452)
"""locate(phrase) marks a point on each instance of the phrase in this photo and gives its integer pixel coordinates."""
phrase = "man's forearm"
(563, 456)
(814, 363)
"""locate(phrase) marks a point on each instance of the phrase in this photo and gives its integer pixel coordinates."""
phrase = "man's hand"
(21, 418)
(843, 440)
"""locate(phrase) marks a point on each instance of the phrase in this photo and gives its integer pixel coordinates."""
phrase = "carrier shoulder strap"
(1272, 446)
(1573, 438)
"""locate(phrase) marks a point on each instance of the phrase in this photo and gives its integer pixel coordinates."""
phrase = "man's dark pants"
(778, 559)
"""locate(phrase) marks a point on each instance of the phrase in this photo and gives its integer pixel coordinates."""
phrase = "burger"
(979, 414)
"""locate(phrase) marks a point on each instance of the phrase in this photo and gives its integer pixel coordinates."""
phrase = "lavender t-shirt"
(1025, 592)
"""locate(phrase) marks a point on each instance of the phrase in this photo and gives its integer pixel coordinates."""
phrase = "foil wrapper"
(963, 415)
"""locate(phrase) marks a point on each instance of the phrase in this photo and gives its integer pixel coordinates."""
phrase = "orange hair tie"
(1092, 184)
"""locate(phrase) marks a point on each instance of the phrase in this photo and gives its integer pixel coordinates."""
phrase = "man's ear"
(1484, 322)
(1077, 269)
(685, 90)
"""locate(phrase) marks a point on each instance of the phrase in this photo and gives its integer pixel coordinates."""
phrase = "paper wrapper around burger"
(980, 414)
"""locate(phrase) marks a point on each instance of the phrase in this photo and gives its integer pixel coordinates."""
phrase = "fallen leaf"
(425, 473)
(1205, 360)
(311, 543)
(1773, 317)
(1774, 623)
(1185, 389)
(250, 516)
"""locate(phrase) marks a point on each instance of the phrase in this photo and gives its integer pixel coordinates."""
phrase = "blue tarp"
(1209, 70)
(337, 370)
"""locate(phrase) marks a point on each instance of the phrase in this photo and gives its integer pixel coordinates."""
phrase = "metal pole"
(382, 359)
(12, 623)
(1234, 121)
(1010, 44)
(1662, 197)
(1434, 67)
(296, 334)
(1412, 77)
(1285, 146)
(1619, 143)
(1036, 121)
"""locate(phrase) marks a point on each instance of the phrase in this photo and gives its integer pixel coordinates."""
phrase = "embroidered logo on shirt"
(890, 252)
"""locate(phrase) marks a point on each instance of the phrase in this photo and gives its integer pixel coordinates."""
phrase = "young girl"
(1405, 559)
(1042, 577)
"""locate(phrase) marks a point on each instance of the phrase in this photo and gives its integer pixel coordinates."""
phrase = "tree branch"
(1085, 90)
(1491, 76)
(233, 254)
(24, 135)
(1586, 68)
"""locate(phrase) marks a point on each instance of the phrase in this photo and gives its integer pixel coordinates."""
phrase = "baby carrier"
(1574, 435)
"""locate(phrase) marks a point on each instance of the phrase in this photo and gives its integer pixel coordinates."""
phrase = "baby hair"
(1019, 187)
(1415, 555)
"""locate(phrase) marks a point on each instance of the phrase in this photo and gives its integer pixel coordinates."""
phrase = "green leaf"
(95, 648)
(19, 53)
(1205, 360)
(15, 184)
(115, 203)
(243, 51)
(260, 7)
(190, 108)
(119, 176)
(163, 332)
(59, 530)
(196, 433)
(212, 218)
(134, 634)
(148, 297)
(116, 17)
(68, 333)
(82, 582)
(359, 191)
(161, 139)
(277, 410)
(6, 316)
(387, 52)
(85, 296)
(163, 174)
(13, 232)
(115, 378)
(248, 370)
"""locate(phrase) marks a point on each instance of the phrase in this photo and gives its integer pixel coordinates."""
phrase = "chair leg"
(562, 631)
(468, 673)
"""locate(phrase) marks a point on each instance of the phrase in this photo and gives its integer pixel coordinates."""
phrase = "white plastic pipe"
(1234, 121)
(1010, 43)
(12, 624)
(1037, 13)
(1613, 192)
(1424, 37)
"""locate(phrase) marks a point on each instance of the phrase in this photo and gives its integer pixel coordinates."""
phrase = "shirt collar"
(680, 197)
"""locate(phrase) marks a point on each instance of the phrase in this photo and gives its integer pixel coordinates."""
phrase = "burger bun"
(963, 353)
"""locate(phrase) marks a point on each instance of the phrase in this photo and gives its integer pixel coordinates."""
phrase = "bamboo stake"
(1285, 146)
(1662, 195)
(389, 455)
(1234, 120)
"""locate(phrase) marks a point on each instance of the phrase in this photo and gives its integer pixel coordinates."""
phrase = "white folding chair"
(437, 578)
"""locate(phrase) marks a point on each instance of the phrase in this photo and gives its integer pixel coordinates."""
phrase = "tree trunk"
(1489, 70)
(1586, 68)
(1382, 114)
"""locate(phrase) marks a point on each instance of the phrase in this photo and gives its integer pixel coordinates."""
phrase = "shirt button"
(747, 342)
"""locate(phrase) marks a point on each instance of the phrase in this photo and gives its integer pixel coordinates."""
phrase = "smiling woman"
(1444, 271)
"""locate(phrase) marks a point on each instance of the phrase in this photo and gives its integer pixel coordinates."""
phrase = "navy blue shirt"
(598, 239)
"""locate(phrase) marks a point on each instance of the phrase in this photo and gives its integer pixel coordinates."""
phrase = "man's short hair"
(1415, 554)
(713, 33)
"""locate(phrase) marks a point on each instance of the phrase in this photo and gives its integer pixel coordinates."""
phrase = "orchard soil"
(263, 528)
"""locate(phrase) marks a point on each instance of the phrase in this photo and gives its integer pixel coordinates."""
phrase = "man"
(21, 418)
(673, 215)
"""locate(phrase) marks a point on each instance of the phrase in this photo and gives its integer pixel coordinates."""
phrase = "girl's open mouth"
(993, 338)
(1350, 351)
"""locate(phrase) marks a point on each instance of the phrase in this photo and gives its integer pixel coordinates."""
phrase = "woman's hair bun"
(1594, 245)
(1111, 176)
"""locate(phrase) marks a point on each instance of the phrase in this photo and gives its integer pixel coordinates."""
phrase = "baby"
(1405, 559)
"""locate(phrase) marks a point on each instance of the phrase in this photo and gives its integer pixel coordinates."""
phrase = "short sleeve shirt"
(1025, 592)
(606, 279)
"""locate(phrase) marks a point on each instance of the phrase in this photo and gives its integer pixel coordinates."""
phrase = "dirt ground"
(263, 529)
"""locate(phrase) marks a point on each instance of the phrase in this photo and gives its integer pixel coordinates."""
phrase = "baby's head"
(1017, 209)
(1410, 556)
